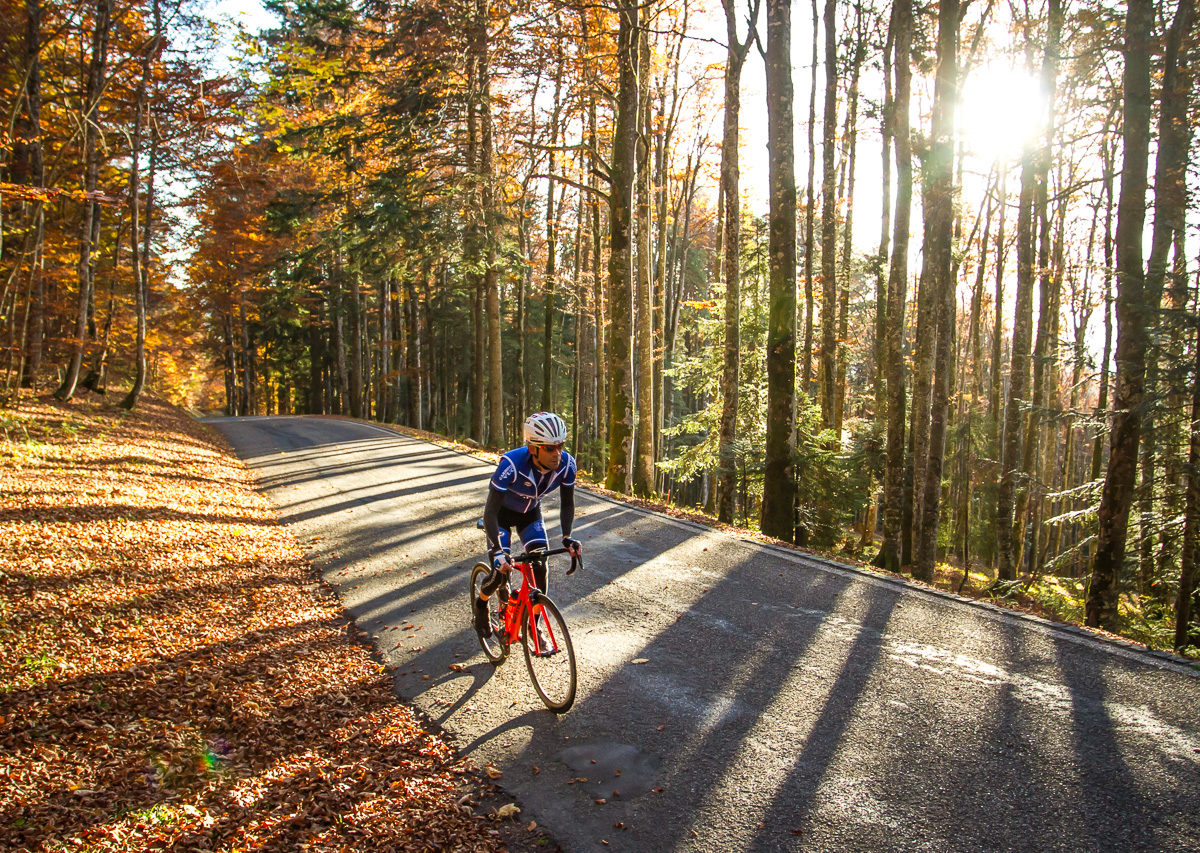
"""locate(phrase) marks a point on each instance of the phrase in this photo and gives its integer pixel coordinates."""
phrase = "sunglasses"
(557, 446)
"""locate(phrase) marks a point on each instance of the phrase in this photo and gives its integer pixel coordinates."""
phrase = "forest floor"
(174, 676)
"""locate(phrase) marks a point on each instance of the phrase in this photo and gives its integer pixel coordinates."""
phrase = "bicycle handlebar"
(576, 562)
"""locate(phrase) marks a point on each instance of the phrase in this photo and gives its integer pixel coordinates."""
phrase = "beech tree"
(731, 192)
(778, 485)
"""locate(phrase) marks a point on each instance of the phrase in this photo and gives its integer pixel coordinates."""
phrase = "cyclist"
(524, 476)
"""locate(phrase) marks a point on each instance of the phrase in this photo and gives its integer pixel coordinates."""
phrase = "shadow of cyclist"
(538, 720)
(479, 673)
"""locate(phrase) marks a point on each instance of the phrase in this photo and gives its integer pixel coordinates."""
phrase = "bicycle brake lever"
(576, 562)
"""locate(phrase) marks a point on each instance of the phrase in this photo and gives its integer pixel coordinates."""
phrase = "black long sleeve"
(491, 519)
(566, 511)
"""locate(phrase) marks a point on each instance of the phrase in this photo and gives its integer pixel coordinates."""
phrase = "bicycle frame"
(525, 607)
(529, 616)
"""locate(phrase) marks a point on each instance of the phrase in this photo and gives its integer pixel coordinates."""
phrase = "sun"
(1001, 108)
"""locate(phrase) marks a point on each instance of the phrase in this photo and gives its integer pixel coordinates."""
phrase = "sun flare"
(1001, 109)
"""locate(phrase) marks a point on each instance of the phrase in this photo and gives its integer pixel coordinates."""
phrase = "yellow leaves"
(207, 683)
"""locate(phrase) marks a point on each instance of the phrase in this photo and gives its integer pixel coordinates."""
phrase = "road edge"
(1126, 648)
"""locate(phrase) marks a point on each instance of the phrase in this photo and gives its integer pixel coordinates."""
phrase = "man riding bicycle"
(523, 477)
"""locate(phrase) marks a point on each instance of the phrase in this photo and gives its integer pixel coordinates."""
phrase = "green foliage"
(698, 370)
(832, 483)
(830, 487)
(40, 664)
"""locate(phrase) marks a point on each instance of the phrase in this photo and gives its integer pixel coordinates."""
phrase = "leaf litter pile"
(173, 677)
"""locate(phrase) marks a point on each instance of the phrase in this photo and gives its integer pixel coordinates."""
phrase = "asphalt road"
(740, 697)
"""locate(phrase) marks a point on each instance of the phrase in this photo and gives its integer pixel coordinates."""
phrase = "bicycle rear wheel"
(549, 655)
(494, 647)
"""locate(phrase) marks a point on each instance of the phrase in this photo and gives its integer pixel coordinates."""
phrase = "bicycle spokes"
(549, 656)
(545, 643)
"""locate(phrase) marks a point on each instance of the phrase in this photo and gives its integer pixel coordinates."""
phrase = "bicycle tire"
(552, 671)
(494, 647)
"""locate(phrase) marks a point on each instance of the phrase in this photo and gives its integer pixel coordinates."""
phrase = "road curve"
(735, 696)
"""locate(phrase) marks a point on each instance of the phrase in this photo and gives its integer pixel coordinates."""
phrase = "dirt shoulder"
(173, 675)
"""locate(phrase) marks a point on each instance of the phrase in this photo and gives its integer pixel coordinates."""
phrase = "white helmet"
(545, 428)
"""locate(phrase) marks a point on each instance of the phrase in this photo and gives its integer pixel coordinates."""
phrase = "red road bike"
(527, 614)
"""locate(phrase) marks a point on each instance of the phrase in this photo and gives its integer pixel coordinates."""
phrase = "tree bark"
(881, 259)
(1117, 495)
(643, 472)
(849, 165)
(91, 171)
(939, 199)
(141, 257)
(472, 248)
(1170, 211)
(810, 215)
(829, 209)
(1191, 524)
(1019, 374)
(1028, 486)
(779, 495)
(620, 354)
(491, 283)
(731, 193)
(893, 502)
(549, 285)
(1108, 180)
(35, 326)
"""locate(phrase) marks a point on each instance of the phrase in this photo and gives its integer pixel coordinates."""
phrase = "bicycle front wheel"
(494, 647)
(549, 655)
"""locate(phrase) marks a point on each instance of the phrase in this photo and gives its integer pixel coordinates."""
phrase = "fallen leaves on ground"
(172, 676)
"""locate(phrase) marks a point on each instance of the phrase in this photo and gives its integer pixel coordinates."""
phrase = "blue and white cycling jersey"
(524, 485)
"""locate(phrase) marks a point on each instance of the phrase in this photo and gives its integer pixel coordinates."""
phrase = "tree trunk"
(1019, 373)
(893, 503)
(881, 259)
(810, 215)
(620, 376)
(31, 348)
(664, 134)
(1027, 486)
(356, 337)
(1191, 524)
(230, 363)
(731, 193)
(643, 472)
(549, 284)
(491, 283)
(342, 377)
(1170, 211)
(1109, 178)
(316, 358)
(851, 137)
(996, 383)
(91, 172)
(600, 306)
(779, 495)
(829, 208)
(939, 199)
(472, 248)
(139, 284)
(1117, 495)
(1177, 402)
